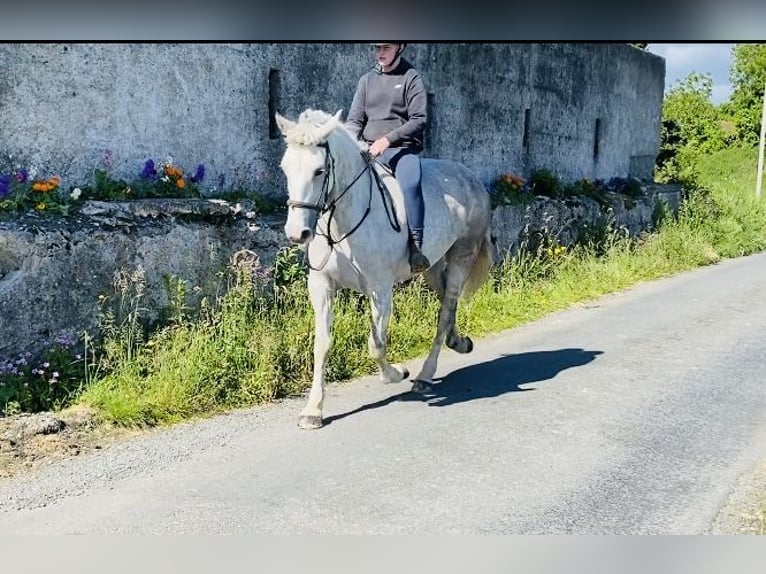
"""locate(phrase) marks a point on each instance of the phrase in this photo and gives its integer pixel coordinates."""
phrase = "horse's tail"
(481, 266)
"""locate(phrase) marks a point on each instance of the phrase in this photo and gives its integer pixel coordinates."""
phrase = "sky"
(710, 58)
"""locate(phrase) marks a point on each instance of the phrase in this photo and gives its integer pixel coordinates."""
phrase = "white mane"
(314, 127)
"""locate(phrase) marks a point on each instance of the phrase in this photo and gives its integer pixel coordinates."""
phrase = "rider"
(389, 113)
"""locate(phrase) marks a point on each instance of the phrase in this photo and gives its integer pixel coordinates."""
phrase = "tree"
(691, 124)
(747, 75)
(639, 45)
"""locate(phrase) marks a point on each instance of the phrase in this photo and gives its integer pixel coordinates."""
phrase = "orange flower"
(173, 172)
(181, 183)
(42, 186)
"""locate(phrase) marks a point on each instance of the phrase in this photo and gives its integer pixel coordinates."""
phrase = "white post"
(759, 178)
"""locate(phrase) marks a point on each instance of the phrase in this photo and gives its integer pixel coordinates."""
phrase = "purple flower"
(199, 175)
(5, 184)
(22, 175)
(149, 170)
(65, 339)
(107, 158)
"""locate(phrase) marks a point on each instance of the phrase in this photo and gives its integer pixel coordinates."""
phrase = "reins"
(324, 206)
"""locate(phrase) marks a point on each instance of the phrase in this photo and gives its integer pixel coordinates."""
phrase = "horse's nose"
(302, 238)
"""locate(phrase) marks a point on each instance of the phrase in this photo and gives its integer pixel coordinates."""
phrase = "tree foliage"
(747, 76)
(693, 125)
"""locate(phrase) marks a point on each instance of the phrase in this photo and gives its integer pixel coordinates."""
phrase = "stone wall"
(54, 270)
(582, 110)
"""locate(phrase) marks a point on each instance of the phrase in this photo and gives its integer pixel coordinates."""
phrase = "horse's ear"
(337, 115)
(283, 123)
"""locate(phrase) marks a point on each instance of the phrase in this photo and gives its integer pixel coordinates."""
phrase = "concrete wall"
(496, 107)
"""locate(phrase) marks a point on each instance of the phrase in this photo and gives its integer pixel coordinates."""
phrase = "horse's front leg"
(321, 292)
(380, 305)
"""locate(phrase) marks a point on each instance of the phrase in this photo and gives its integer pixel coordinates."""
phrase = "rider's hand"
(379, 146)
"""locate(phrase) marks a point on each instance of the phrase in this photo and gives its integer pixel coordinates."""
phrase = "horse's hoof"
(396, 374)
(461, 344)
(310, 422)
(422, 387)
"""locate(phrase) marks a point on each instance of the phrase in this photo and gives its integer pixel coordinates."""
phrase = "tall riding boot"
(418, 261)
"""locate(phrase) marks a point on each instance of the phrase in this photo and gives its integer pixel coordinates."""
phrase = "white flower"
(32, 171)
(169, 160)
(165, 178)
(75, 193)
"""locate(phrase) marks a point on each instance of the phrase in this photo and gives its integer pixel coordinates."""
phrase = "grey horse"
(348, 212)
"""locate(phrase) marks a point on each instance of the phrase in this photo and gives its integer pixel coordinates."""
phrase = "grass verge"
(254, 345)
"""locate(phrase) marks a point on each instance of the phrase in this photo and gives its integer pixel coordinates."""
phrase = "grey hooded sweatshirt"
(391, 104)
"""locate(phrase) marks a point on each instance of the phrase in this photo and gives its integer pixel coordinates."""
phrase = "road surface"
(641, 413)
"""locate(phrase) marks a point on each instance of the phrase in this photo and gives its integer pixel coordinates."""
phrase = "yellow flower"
(40, 206)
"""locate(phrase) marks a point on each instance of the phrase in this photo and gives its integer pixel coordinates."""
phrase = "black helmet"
(401, 45)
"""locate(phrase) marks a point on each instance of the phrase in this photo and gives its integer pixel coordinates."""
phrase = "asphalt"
(643, 412)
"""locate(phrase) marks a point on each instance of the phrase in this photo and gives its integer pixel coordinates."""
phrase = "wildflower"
(33, 171)
(40, 206)
(46, 364)
(5, 185)
(76, 193)
(107, 158)
(174, 172)
(22, 175)
(149, 170)
(65, 339)
(181, 183)
(199, 175)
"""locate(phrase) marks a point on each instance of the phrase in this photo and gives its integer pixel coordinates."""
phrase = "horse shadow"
(493, 378)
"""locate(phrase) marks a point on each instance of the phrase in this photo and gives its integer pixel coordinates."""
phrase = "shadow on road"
(490, 379)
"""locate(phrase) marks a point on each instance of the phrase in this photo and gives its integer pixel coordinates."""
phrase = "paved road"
(638, 413)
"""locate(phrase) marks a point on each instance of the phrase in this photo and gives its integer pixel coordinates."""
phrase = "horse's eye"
(319, 172)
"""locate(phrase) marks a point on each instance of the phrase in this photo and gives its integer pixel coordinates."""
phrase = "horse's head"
(307, 165)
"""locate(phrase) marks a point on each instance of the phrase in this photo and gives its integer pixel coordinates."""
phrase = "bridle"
(326, 204)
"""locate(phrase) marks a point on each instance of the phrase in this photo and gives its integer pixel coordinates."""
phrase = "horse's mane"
(315, 127)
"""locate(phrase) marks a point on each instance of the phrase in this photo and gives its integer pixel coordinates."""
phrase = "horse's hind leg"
(451, 282)
(436, 278)
(321, 292)
(380, 305)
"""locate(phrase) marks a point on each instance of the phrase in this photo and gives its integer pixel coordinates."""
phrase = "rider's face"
(385, 54)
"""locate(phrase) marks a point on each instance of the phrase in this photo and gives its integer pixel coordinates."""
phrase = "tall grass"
(254, 345)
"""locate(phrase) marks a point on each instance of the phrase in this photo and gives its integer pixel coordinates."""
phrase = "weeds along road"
(643, 412)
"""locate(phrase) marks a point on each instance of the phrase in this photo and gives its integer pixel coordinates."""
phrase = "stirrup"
(418, 262)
